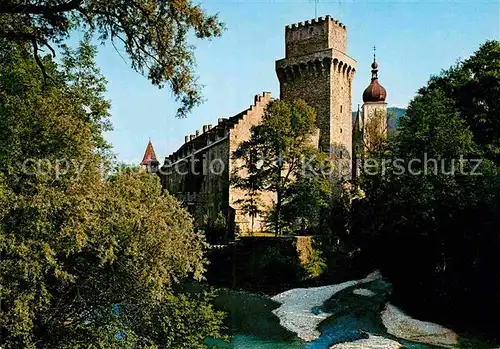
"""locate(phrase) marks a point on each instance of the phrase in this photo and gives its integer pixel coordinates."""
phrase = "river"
(319, 317)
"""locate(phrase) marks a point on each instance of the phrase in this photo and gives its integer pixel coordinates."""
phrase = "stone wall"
(309, 80)
(197, 173)
(374, 122)
(315, 35)
(240, 133)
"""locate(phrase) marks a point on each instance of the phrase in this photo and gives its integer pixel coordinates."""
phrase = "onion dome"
(374, 93)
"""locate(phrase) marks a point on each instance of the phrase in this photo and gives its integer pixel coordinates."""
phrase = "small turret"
(149, 161)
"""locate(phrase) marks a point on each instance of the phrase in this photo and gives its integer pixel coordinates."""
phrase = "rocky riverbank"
(350, 315)
(299, 311)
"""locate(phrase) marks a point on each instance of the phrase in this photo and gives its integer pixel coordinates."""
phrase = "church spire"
(374, 65)
(149, 160)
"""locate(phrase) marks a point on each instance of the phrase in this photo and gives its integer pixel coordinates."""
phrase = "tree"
(280, 143)
(370, 136)
(313, 196)
(85, 261)
(153, 33)
(432, 200)
(251, 204)
(473, 85)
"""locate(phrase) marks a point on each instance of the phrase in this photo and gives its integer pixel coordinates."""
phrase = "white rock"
(363, 292)
(372, 342)
(403, 326)
(295, 312)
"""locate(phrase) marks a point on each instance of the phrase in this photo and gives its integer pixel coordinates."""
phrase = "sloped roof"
(149, 155)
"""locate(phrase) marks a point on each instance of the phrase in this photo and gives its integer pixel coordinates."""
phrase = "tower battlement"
(313, 22)
(315, 35)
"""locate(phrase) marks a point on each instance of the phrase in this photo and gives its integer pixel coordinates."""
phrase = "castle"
(317, 69)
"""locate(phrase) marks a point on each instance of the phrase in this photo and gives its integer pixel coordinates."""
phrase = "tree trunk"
(278, 214)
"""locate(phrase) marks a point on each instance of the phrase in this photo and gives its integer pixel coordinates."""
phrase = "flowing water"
(345, 314)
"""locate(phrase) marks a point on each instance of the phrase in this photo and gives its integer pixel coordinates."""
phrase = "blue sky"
(414, 40)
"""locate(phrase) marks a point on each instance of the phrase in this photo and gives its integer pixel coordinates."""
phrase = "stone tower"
(374, 108)
(317, 69)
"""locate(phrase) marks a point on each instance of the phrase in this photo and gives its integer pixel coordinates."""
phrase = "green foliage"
(434, 209)
(473, 86)
(316, 265)
(154, 34)
(311, 201)
(251, 204)
(215, 230)
(272, 156)
(83, 258)
(272, 266)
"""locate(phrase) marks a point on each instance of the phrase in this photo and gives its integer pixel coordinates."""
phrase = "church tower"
(374, 108)
(317, 69)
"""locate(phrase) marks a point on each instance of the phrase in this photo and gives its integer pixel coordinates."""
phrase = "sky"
(414, 40)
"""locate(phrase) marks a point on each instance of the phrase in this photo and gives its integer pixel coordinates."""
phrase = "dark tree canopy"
(474, 87)
(432, 216)
(154, 34)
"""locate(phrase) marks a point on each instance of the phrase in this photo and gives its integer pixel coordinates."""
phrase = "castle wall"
(337, 36)
(311, 83)
(198, 173)
(240, 133)
(341, 113)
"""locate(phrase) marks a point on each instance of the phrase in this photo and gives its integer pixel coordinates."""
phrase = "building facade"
(317, 69)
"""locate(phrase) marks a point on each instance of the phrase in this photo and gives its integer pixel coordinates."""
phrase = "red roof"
(374, 93)
(149, 155)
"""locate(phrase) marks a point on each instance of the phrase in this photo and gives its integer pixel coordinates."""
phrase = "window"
(341, 109)
(340, 130)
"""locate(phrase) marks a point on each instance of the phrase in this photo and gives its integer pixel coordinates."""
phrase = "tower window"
(340, 130)
(341, 109)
